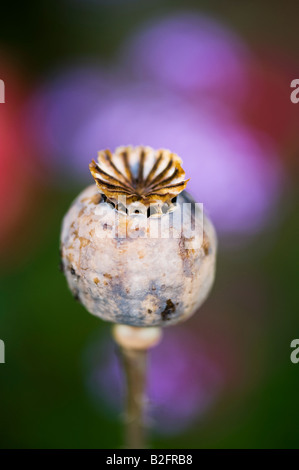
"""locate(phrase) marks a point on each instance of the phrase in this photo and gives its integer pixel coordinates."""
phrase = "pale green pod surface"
(150, 262)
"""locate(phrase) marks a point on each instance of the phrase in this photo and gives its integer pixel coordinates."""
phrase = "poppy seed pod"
(136, 249)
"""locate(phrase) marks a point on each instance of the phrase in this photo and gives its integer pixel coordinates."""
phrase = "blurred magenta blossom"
(192, 54)
(183, 382)
(18, 163)
(235, 173)
(234, 170)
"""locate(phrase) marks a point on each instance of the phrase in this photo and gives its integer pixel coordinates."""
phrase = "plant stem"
(134, 343)
(135, 362)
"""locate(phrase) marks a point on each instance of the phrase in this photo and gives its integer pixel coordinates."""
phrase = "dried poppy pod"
(135, 247)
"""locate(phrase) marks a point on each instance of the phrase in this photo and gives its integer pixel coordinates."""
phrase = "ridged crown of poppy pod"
(139, 174)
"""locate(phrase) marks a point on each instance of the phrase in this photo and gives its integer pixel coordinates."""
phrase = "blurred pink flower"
(17, 163)
(234, 171)
(191, 53)
(171, 90)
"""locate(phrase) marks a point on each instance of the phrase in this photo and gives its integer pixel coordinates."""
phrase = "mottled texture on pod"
(135, 269)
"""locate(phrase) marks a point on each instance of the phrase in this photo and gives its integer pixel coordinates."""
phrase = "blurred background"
(211, 81)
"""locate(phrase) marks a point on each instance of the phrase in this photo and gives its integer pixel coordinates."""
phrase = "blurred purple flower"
(58, 110)
(182, 381)
(191, 53)
(235, 173)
